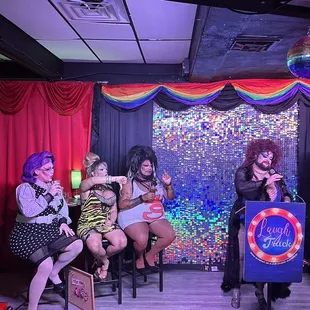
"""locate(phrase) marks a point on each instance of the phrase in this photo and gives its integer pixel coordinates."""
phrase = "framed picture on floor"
(81, 289)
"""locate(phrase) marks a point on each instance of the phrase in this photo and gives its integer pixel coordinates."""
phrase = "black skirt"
(36, 242)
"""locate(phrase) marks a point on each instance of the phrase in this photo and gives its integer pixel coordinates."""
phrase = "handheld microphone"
(274, 171)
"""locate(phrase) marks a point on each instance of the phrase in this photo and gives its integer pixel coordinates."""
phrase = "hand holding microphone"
(275, 177)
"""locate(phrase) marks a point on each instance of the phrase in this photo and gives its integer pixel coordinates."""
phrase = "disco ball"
(298, 58)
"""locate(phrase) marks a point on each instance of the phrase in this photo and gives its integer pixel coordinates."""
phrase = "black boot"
(262, 303)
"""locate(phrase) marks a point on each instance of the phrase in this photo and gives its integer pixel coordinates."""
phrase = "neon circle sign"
(274, 236)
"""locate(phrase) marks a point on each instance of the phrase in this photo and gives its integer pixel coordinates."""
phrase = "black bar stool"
(116, 273)
(133, 270)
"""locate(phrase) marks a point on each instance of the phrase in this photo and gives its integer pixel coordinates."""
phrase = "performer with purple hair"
(254, 181)
(41, 229)
(141, 206)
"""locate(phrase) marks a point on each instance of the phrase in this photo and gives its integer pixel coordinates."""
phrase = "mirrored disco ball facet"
(298, 58)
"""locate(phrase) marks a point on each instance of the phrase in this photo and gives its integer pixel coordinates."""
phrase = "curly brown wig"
(258, 146)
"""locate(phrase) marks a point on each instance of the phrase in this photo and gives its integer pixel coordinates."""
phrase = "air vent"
(254, 44)
(99, 11)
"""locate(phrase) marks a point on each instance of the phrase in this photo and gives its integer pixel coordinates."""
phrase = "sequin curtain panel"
(201, 148)
(38, 116)
(289, 128)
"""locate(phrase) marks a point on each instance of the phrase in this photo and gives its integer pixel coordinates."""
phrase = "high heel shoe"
(59, 288)
(153, 269)
(97, 274)
(235, 300)
(143, 271)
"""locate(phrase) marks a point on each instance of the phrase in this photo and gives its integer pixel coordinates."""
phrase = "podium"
(274, 242)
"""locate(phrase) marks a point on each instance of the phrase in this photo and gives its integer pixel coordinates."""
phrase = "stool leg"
(120, 284)
(112, 262)
(134, 275)
(161, 272)
(66, 272)
(86, 262)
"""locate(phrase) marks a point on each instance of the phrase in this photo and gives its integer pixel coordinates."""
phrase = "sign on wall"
(274, 241)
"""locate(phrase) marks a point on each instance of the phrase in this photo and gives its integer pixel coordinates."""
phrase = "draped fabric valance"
(65, 98)
(255, 92)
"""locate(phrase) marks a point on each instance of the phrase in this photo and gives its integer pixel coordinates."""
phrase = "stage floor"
(183, 290)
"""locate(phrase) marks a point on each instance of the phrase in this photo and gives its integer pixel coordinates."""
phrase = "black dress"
(37, 241)
(246, 189)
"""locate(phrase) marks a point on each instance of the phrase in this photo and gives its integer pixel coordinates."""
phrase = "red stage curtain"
(37, 127)
(14, 95)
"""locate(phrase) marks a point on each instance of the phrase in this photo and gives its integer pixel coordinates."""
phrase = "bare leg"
(38, 283)
(69, 254)
(94, 244)
(165, 233)
(139, 233)
(118, 242)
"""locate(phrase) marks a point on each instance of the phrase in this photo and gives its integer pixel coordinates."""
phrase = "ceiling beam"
(24, 50)
(10, 70)
(199, 26)
(254, 6)
(117, 73)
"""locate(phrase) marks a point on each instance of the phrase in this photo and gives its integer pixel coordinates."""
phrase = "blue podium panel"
(274, 241)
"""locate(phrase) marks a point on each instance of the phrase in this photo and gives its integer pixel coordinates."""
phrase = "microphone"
(274, 171)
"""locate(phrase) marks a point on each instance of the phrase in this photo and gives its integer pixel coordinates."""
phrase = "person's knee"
(142, 240)
(46, 266)
(170, 236)
(77, 246)
(94, 246)
(121, 243)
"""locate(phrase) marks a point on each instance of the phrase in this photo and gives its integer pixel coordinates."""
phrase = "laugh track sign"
(274, 241)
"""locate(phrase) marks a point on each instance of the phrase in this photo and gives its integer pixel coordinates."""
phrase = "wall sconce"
(76, 179)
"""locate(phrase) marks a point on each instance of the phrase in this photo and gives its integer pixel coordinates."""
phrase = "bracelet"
(169, 185)
(109, 179)
(141, 199)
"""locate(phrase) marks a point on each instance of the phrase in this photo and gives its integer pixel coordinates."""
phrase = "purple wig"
(33, 162)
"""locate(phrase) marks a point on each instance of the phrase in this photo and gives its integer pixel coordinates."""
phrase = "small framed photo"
(81, 289)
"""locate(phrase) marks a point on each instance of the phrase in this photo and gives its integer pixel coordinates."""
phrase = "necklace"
(259, 174)
(146, 184)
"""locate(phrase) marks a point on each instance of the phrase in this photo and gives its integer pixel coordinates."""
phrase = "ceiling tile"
(38, 19)
(116, 51)
(158, 19)
(103, 31)
(165, 52)
(70, 50)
